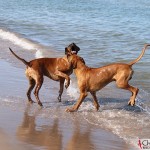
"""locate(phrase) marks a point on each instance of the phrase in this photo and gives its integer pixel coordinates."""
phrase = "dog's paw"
(66, 86)
(59, 98)
(131, 103)
(66, 110)
(40, 104)
(70, 110)
(30, 101)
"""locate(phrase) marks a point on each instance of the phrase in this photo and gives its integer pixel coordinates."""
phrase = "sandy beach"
(27, 127)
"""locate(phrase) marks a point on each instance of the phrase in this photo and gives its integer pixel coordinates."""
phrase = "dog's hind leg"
(124, 85)
(96, 104)
(62, 80)
(39, 83)
(31, 86)
(134, 94)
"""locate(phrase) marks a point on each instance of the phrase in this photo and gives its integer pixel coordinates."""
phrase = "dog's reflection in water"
(53, 136)
(48, 136)
(81, 139)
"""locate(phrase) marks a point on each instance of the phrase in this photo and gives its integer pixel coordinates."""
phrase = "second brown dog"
(93, 79)
(57, 69)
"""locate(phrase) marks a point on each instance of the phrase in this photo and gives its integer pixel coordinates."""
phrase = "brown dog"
(94, 79)
(57, 69)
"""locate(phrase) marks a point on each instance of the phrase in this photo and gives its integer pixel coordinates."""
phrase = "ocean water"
(106, 31)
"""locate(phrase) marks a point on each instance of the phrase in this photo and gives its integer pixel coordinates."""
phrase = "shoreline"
(28, 126)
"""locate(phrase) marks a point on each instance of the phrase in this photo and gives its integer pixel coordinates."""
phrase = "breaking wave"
(17, 40)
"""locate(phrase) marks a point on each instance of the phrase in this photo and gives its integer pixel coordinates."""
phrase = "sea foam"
(17, 40)
(40, 50)
(72, 90)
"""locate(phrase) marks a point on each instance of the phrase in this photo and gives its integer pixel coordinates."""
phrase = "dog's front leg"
(65, 76)
(62, 80)
(79, 102)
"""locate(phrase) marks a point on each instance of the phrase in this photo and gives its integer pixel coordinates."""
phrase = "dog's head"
(71, 49)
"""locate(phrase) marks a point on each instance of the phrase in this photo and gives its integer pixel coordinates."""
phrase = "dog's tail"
(21, 59)
(141, 55)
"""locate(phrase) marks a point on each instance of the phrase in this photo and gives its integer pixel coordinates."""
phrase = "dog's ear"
(73, 48)
(76, 48)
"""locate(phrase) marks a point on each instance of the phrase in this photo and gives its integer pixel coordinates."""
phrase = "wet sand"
(28, 127)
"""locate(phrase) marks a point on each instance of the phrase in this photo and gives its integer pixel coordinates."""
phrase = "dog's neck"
(80, 68)
(81, 65)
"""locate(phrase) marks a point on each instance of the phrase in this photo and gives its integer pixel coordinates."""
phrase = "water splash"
(142, 101)
(72, 90)
(44, 52)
